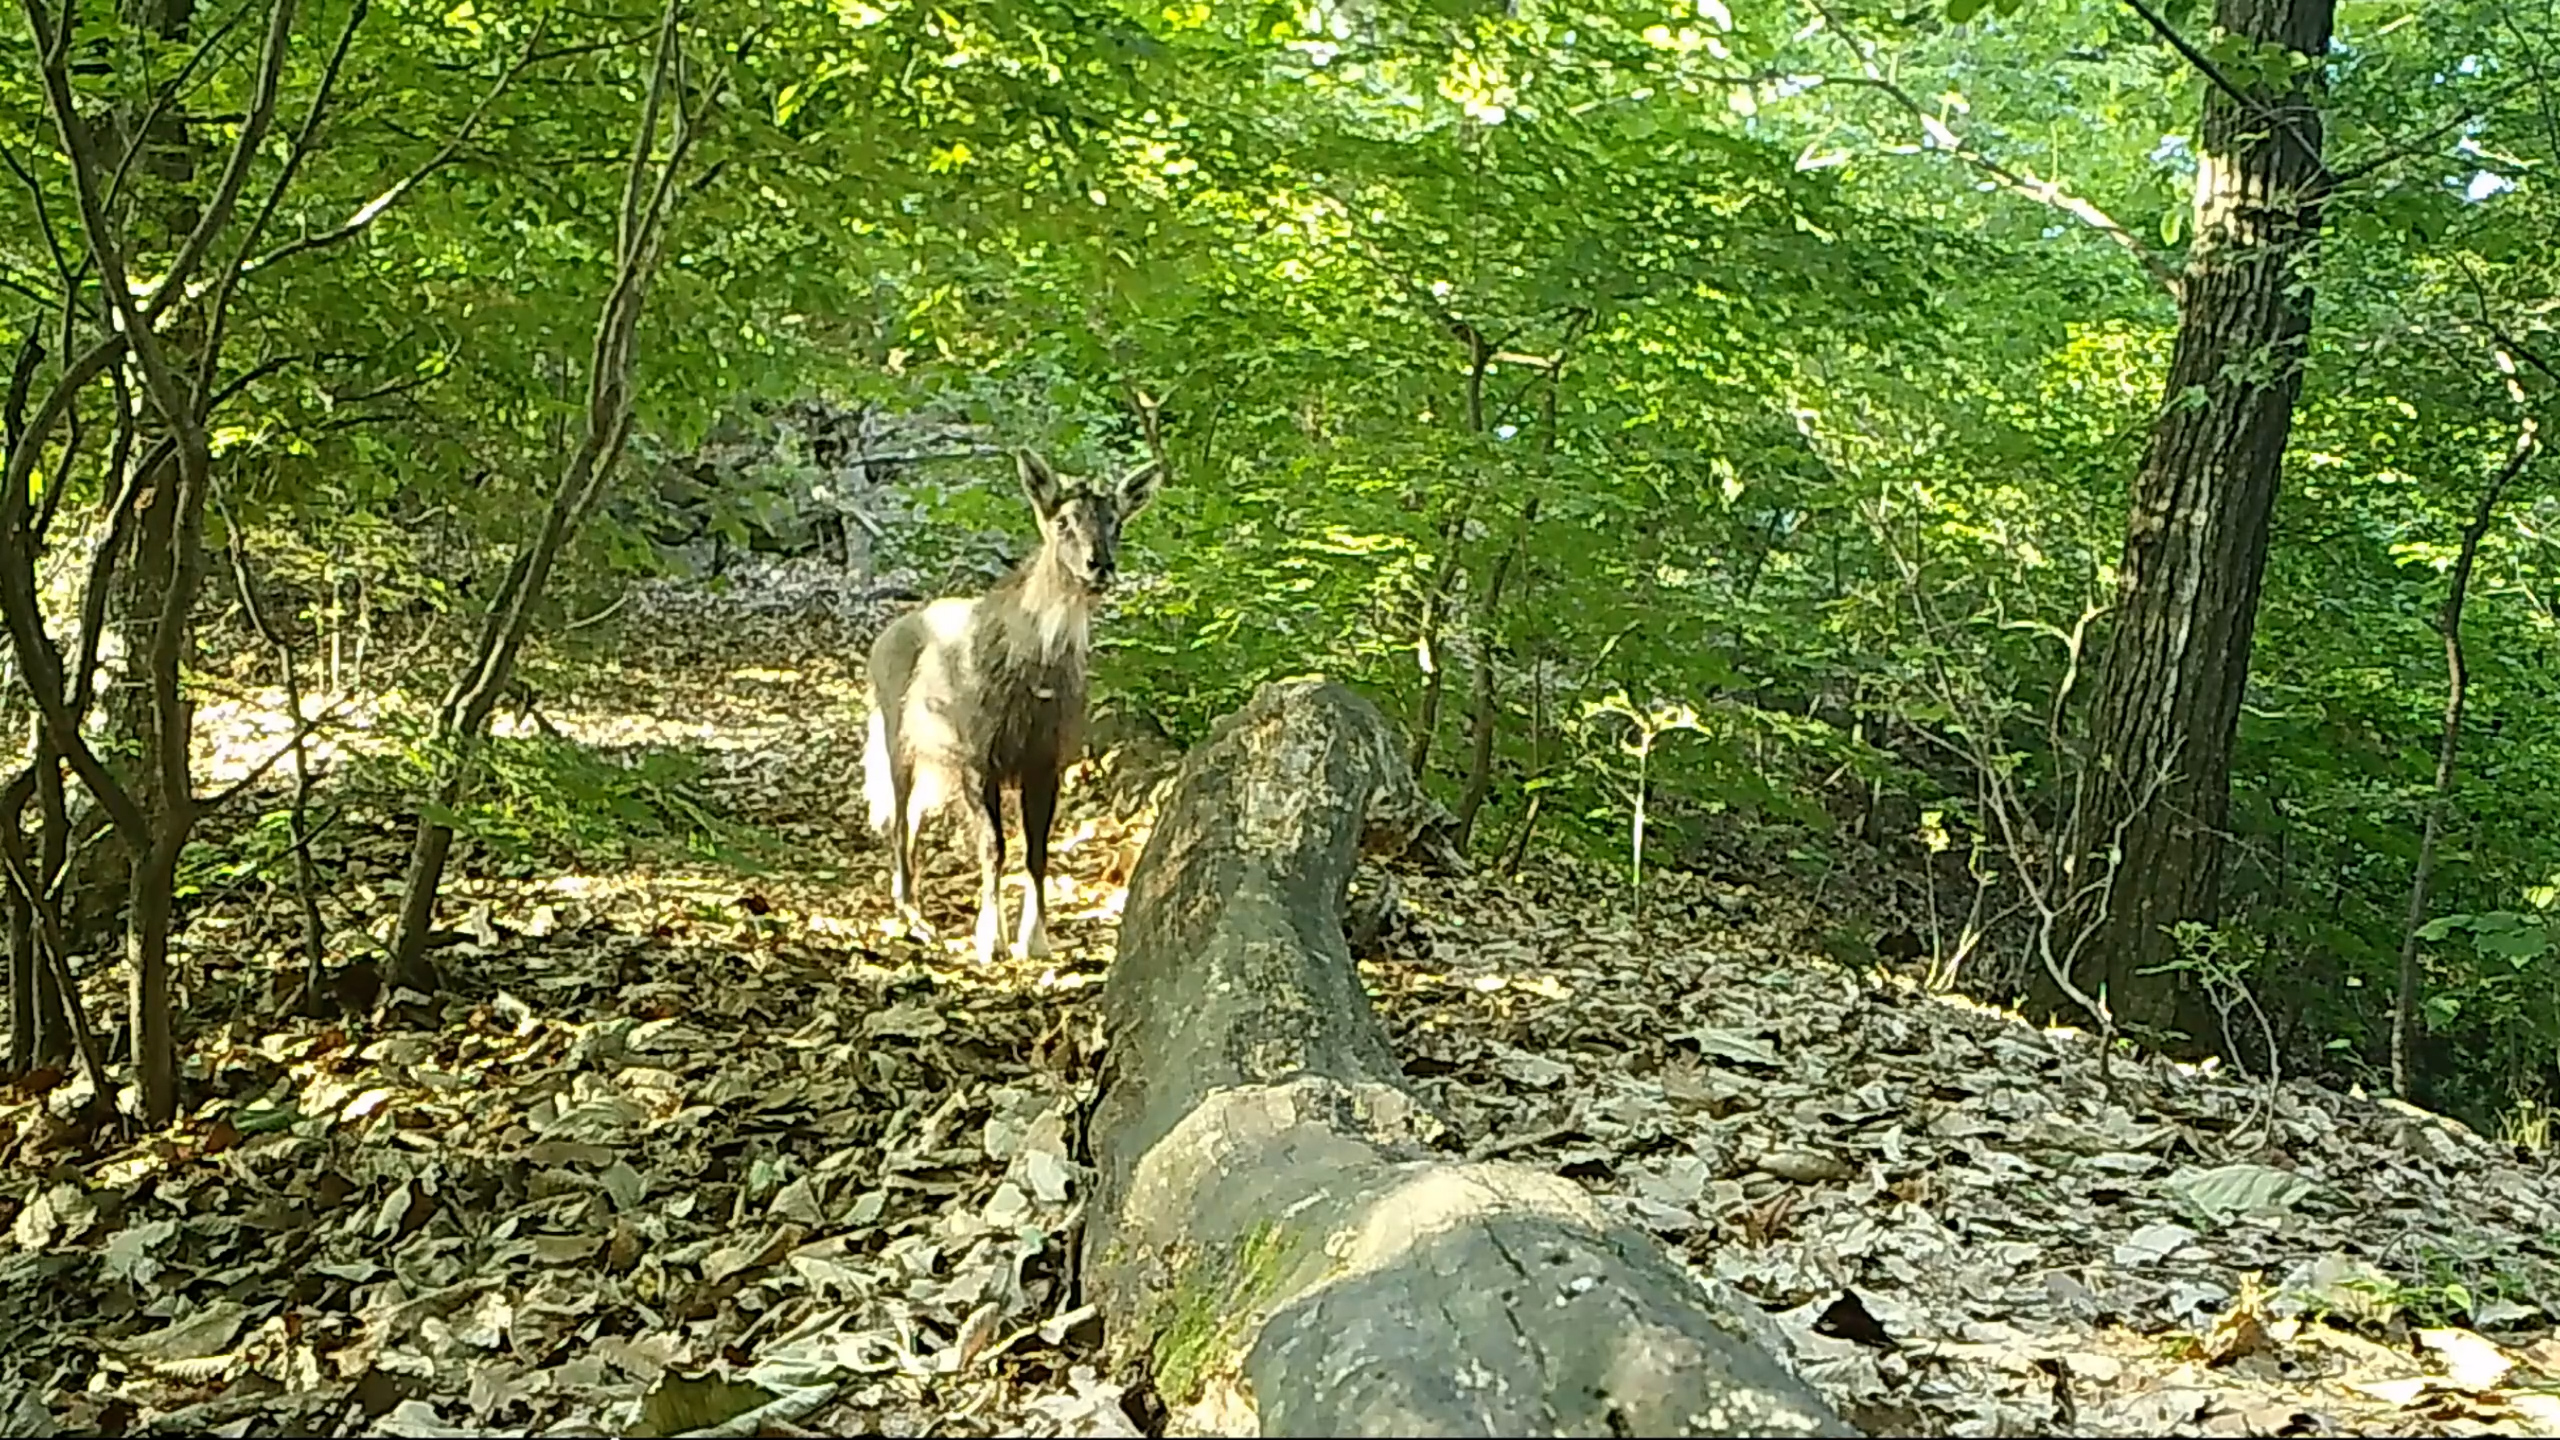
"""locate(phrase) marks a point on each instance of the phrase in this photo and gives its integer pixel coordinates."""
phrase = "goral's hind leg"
(988, 816)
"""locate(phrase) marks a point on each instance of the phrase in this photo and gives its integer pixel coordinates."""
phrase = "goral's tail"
(876, 788)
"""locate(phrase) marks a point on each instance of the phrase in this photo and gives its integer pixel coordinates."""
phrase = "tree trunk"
(1426, 642)
(53, 855)
(648, 196)
(2149, 811)
(1453, 536)
(1272, 1236)
(2404, 1004)
(162, 209)
(1486, 718)
(149, 715)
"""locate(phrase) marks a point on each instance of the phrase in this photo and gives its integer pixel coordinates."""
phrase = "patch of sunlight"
(1546, 987)
(1480, 89)
(2435, 554)
(764, 675)
(1338, 541)
(227, 438)
(849, 927)
(236, 735)
(620, 728)
(676, 883)
(1729, 481)
(2110, 357)
(1321, 217)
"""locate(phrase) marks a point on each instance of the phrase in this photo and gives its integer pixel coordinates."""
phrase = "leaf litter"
(696, 1148)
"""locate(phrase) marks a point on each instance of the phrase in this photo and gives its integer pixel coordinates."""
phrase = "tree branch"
(473, 694)
(2168, 33)
(218, 313)
(22, 378)
(2048, 193)
(2255, 108)
(235, 173)
(2397, 151)
(40, 663)
(373, 209)
(44, 215)
(87, 366)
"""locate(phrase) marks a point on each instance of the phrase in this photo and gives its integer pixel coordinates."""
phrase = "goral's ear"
(1039, 483)
(1138, 488)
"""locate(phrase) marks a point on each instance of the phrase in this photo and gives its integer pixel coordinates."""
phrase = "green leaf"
(2241, 1188)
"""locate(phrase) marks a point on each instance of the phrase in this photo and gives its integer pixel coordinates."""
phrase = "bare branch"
(2025, 183)
(165, 95)
(38, 660)
(107, 248)
(472, 697)
(218, 313)
(373, 209)
(44, 215)
(2399, 150)
(304, 728)
(87, 366)
(235, 174)
(48, 940)
(22, 378)
(102, 569)
(2168, 33)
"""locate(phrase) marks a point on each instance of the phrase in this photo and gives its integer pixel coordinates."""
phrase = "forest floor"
(689, 1140)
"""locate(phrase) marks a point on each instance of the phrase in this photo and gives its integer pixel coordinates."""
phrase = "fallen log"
(1272, 1237)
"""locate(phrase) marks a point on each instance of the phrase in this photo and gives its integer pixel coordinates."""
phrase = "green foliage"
(546, 801)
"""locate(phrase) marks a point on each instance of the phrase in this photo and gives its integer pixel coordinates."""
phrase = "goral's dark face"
(1081, 524)
(1084, 533)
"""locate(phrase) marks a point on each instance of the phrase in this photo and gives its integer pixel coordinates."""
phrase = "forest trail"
(690, 1141)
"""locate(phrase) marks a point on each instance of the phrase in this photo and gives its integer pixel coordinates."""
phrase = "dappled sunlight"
(251, 731)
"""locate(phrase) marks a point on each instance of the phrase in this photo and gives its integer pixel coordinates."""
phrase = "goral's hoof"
(909, 923)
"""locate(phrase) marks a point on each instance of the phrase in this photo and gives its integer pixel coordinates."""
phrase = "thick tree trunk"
(1271, 1236)
(2148, 832)
(152, 907)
